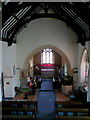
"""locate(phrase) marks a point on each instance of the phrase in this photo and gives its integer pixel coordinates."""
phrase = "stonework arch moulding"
(84, 58)
(56, 49)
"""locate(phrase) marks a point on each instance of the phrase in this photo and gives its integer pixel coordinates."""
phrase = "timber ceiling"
(17, 15)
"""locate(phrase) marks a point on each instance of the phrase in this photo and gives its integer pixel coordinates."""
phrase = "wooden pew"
(72, 110)
(17, 117)
(72, 118)
(19, 110)
(72, 104)
(18, 102)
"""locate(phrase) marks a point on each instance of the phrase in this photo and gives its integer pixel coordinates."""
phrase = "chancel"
(45, 60)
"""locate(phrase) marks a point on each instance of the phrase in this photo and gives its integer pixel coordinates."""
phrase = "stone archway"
(84, 64)
(59, 51)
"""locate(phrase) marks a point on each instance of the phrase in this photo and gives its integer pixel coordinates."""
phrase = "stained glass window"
(86, 70)
(47, 56)
(65, 69)
(84, 67)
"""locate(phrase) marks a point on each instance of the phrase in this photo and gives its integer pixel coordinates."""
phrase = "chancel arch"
(29, 61)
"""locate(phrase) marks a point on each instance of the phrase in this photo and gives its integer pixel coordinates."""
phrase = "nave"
(41, 39)
(46, 104)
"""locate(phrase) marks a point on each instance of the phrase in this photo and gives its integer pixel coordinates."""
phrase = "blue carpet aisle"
(46, 100)
(46, 85)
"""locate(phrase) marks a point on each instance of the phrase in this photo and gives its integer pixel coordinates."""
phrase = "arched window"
(65, 69)
(86, 70)
(47, 56)
(84, 66)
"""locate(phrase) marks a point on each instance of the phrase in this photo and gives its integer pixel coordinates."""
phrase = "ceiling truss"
(22, 13)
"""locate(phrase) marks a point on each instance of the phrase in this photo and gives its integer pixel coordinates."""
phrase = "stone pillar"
(75, 81)
(18, 76)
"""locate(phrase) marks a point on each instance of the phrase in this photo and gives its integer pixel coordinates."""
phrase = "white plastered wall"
(8, 62)
(47, 31)
(0, 68)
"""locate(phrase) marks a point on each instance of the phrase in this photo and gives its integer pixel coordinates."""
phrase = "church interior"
(45, 60)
